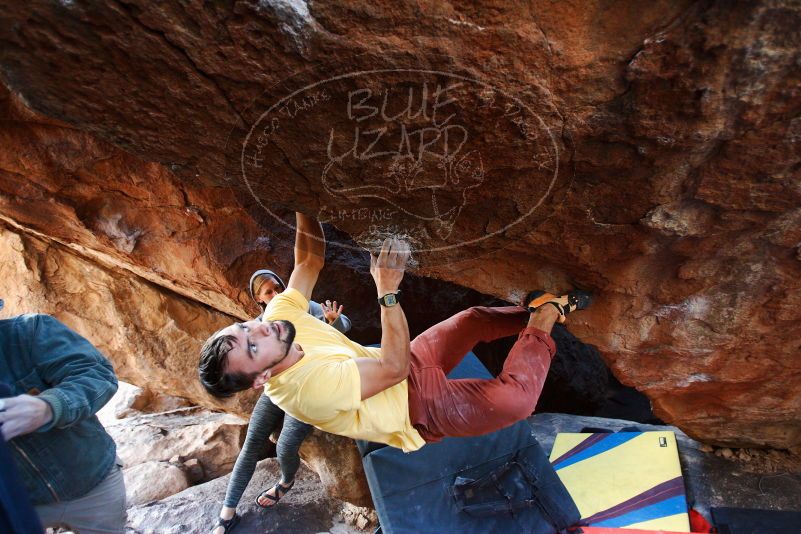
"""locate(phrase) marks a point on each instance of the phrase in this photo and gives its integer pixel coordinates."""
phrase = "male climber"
(397, 394)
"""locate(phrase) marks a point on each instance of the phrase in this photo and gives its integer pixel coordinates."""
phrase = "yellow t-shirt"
(324, 387)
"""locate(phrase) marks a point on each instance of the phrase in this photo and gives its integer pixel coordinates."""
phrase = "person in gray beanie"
(266, 417)
(265, 284)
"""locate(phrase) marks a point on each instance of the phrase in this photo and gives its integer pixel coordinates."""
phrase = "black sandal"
(227, 524)
(280, 491)
(564, 304)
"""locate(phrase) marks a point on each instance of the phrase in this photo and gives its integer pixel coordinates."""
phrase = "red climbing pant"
(440, 408)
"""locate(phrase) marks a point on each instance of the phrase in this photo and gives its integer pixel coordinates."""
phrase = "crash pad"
(623, 479)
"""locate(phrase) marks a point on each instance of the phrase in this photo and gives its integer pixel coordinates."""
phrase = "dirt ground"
(773, 462)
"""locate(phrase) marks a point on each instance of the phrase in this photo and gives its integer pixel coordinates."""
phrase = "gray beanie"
(264, 272)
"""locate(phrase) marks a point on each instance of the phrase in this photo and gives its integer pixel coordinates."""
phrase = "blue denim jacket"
(72, 454)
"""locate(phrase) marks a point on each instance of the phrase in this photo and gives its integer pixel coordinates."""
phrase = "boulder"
(130, 401)
(136, 400)
(213, 439)
(124, 403)
(161, 402)
(338, 464)
(153, 481)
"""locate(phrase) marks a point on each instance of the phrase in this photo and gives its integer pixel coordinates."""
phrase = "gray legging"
(264, 420)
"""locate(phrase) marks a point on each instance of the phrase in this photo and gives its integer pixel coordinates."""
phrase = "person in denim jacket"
(65, 458)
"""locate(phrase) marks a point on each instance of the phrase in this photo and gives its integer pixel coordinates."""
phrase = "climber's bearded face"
(259, 346)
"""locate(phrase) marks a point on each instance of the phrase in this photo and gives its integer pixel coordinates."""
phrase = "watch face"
(390, 300)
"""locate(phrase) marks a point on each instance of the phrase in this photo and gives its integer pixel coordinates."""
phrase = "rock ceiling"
(650, 153)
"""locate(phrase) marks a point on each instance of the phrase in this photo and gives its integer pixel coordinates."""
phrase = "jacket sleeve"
(316, 310)
(81, 379)
(342, 323)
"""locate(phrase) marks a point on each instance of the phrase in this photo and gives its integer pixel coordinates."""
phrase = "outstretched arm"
(393, 366)
(309, 254)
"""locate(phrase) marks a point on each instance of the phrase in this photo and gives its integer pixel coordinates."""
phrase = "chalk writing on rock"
(415, 152)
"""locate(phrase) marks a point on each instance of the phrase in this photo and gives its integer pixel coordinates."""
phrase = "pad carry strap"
(465, 489)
